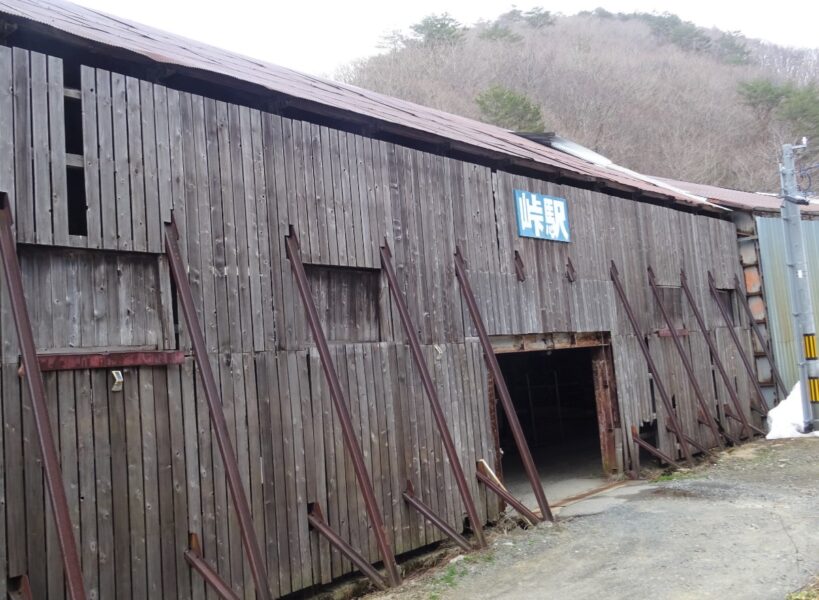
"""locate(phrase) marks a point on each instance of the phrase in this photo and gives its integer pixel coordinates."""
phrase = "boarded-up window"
(673, 301)
(347, 302)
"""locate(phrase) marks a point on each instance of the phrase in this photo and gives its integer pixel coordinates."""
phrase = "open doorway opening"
(565, 402)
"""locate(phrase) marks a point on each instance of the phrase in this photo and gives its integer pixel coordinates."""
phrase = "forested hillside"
(651, 92)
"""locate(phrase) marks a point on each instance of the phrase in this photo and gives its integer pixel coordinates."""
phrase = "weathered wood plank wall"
(141, 465)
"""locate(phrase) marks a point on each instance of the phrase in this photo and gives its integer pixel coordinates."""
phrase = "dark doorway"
(558, 401)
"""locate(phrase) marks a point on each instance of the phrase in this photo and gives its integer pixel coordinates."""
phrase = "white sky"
(319, 36)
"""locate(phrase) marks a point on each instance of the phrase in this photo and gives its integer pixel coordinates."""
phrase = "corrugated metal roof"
(753, 201)
(167, 48)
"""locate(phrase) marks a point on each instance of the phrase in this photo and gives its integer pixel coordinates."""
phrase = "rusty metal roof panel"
(167, 48)
(736, 199)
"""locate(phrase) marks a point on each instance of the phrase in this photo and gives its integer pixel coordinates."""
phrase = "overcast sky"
(319, 36)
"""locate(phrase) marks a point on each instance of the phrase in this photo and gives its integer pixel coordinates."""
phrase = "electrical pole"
(801, 306)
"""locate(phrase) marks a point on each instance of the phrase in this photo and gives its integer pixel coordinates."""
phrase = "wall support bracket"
(715, 357)
(340, 405)
(655, 374)
(763, 343)
(763, 404)
(710, 421)
(500, 384)
(317, 522)
(217, 415)
(193, 554)
(432, 396)
(486, 477)
(409, 497)
(36, 388)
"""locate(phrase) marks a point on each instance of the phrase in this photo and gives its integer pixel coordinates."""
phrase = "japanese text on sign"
(542, 217)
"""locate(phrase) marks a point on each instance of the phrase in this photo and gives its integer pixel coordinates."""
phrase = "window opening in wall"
(727, 298)
(77, 208)
(71, 74)
(73, 125)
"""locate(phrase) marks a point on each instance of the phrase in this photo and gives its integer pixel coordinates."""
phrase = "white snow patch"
(785, 419)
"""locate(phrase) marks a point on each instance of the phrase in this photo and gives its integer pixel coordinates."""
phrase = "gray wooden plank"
(39, 115)
(136, 164)
(56, 122)
(10, 120)
(89, 540)
(119, 111)
(103, 484)
(166, 472)
(108, 191)
(88, 80)
(150, 168)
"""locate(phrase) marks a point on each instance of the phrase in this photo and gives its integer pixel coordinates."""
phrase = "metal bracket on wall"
(409, 497)
(652, 368)
(36, 388)
(340, 405)
(763, 405)
(432, 396)
(194, 557)
(217, 415)
(500, 385)
(710, 421)
(764, 344)
(316, 519)
(490, 480)
(20, 588)
(635, 435)
(715, 357)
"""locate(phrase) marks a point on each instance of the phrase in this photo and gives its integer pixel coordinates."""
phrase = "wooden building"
(110, 130)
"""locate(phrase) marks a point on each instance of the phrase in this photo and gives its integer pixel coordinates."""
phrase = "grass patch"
(674, 475)
(809, 593)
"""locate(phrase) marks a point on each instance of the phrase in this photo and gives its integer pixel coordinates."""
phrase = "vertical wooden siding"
(141, 466)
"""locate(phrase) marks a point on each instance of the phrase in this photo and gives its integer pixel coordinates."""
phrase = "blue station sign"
(542, 217)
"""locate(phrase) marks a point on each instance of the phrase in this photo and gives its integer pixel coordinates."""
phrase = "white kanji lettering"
(530, 209)
(560, 225)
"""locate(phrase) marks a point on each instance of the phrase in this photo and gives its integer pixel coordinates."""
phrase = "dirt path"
(746, 528)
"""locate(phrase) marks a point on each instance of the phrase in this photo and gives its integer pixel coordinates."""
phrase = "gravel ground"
(745, 528)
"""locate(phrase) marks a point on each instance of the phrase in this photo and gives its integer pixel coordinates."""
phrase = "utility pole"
(801, 306)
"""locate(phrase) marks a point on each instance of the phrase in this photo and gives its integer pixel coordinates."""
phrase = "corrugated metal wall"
(777, 293)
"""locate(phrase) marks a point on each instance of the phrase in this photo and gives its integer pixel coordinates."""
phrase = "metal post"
(217, 415)
(193, 555)
(316, 520)
(340, 404)
(500, 384)
(802, 308)
(652, 368)
(409, 496)
(730, 327)
(432, 395)
(729, 385)
(686, 361)
(34, 379)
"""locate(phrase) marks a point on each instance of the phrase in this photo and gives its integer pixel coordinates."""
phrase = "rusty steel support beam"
(763, 405)
(340, 405)
(652, 367)
(500, 384)
(217, 415)
(508, 498)
(762, 341)
(317, 522)
(34, 379)
(715, 357)
(108, 360)
(686, 361)
(432, 396)
(193, 554)
(651, 449)
(731, 414)
(409, 497)
(691, 441)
